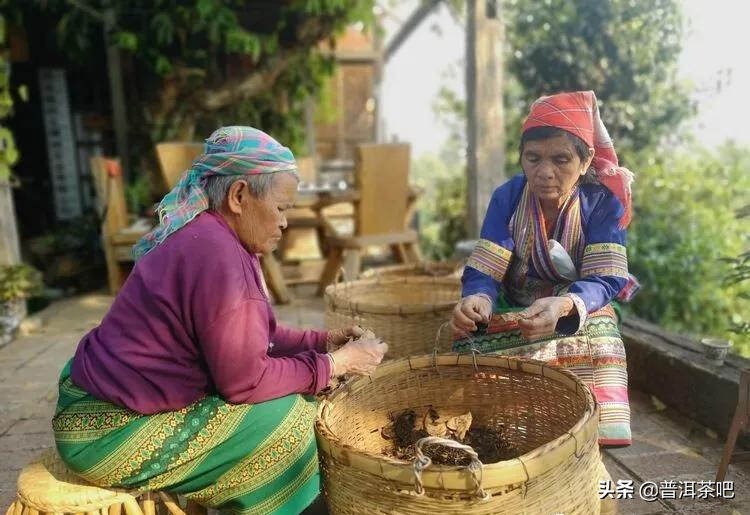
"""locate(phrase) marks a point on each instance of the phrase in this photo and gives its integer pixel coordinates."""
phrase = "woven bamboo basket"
(549, 415)
(423, 269)
(405, 312)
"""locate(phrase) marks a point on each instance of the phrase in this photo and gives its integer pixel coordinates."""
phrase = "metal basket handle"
(421, 462)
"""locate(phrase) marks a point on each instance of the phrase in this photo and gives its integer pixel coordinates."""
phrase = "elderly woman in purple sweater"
(189, 384)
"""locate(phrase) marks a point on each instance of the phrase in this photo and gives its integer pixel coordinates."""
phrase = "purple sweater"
(193, 319)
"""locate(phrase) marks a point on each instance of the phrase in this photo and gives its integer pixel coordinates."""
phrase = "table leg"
(352, 264)
(333, 263)
(413, 253)
(399, 252)
(275, 279)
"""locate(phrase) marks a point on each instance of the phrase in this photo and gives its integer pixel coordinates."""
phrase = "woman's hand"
(540, 319)
(360, 356)
(338, 337)
(469, 311)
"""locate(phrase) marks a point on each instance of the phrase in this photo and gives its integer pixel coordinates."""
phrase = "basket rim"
(494, 475)
(336, 295)
(453, 265)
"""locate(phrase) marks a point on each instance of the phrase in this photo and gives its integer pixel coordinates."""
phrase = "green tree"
(624, 50)
(202, 63)
(8, 151)
(685, 230)
(738, 276)
(442, 204)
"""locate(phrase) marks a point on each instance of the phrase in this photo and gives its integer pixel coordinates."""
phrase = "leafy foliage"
(199, 64)
(8, 151)
(685, 228)
(19, 282)
(739, 276)
(442, 205)
(624, 50)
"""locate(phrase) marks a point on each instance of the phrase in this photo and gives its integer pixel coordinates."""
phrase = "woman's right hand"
(469, 311)
(360, 356)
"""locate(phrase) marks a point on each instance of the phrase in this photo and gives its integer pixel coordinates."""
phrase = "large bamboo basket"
(422, 269)
(548, 413)
(405, 312)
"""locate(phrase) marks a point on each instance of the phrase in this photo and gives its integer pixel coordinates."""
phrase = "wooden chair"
(300, 240)
(47, 486)
(382, 213)
(118, 235)
(740, 422)
(307, 169)
(174, 158)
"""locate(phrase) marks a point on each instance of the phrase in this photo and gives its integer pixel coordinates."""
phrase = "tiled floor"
(666, 447)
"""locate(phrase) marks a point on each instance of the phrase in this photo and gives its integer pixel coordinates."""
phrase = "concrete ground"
(667, 447)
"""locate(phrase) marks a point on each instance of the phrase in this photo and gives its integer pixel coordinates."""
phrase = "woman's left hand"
(540, 319)
(338, 337)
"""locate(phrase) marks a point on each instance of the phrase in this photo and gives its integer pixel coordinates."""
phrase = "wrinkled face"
(261, 220)
(552, 167)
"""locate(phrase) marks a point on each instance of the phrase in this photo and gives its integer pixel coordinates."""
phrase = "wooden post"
(310, 127)
(341, 110)
(10, 253)
(117, 92)
(484, 108)
(377, 89)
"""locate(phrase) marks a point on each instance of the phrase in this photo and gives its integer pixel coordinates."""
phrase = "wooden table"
(316, 201)
(311, 201)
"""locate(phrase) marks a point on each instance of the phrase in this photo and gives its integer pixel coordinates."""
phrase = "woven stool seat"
(46, 485)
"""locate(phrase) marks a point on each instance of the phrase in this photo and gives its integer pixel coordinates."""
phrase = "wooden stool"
(739, 422)
(47, 486)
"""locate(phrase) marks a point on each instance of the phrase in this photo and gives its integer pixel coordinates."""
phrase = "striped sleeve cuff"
(604, 259)
(580, 308)
(490, 258)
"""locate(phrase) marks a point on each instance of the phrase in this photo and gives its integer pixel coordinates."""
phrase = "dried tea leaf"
(459, 425)
(433, 424)
(403, 427)
(511, 317)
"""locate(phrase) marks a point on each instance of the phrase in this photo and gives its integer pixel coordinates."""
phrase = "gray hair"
(260, 185)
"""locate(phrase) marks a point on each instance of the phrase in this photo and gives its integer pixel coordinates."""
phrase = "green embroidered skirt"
(258, 458)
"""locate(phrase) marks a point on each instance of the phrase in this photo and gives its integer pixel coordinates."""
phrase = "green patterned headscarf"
(232, 150)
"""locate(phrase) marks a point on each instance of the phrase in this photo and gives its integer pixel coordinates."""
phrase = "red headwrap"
(578, 114)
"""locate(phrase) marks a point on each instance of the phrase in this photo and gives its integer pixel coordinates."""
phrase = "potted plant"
(17, 283)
